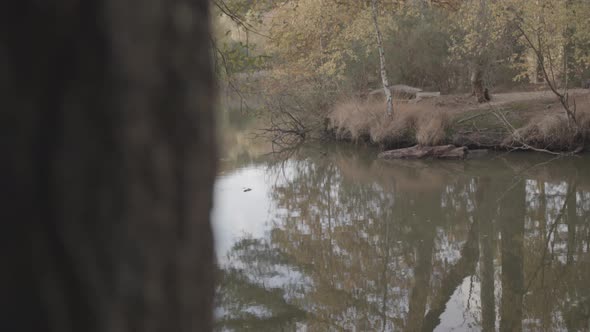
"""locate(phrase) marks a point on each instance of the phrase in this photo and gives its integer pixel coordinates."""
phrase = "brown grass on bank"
(550, 130)
(540, 122)
(546, 132)
(422, 123)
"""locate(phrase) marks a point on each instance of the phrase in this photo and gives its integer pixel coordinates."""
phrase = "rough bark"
(477, 87)
(426, 152)
(109, 165)
(384, 79)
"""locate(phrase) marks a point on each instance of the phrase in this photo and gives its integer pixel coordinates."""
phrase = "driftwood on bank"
(427, 95)
(426, 152)
(400, 91)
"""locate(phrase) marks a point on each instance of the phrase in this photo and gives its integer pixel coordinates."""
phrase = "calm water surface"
(331, 239)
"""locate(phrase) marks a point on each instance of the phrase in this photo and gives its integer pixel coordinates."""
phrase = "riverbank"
(514, 120)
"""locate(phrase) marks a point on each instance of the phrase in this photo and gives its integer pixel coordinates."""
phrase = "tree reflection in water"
(358, 244)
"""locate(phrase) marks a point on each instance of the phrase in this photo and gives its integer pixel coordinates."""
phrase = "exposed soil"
(466, 103)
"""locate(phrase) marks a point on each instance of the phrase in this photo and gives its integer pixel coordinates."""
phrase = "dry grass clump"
(354, 118)
(432, 128)
(549, 131)
(423, 124)
(552, 132)
(400, 128)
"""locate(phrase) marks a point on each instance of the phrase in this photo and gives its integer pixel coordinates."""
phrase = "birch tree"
(384, 79)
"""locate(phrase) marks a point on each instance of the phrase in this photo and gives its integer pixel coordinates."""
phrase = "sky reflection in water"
(333, 239)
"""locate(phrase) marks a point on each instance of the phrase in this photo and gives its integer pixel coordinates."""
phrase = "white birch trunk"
(382, 60)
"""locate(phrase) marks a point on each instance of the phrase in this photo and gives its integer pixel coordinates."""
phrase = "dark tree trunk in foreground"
(108, 165)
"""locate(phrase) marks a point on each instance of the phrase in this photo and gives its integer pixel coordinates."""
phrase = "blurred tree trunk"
(108, 165)
(384, 79)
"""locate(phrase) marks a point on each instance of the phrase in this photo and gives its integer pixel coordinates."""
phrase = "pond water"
(331, 239)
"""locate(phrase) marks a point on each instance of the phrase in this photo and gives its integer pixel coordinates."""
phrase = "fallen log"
(399, 91)
(426, 152)
(427, 95)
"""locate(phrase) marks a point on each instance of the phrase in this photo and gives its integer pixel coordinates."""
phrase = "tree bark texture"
(108, 165)
(384, 79)
(477, 87)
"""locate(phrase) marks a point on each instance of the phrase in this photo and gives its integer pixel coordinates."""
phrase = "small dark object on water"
(247, 190)
(587, 84)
